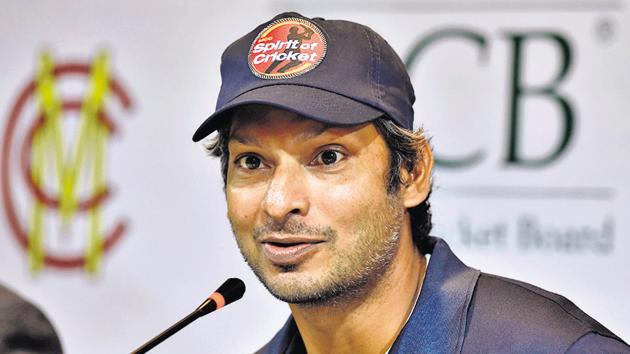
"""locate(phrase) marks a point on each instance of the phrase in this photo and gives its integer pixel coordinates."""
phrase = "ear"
(416, 184)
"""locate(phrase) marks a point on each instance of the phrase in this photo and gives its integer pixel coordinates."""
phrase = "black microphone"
(227, 293)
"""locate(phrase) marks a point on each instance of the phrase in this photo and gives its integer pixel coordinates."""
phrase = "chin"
(290, 285)
(304, 288)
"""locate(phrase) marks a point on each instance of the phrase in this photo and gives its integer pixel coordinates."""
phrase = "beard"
(352, 271)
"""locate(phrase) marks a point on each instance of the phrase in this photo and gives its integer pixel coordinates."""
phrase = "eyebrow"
(311, 133)
(244, 139)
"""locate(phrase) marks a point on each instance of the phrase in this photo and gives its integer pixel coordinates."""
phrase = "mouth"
(289, 251)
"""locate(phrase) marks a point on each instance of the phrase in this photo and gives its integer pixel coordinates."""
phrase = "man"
(327, 188)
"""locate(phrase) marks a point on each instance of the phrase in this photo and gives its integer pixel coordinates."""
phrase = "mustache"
(294, 228)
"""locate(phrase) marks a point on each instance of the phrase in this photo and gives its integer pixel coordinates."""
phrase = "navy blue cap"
(332, 71)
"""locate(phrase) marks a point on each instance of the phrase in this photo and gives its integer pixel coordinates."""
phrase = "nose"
(287, 192)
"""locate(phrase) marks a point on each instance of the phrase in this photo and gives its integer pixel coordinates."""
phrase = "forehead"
(252, 121)
(258, 117)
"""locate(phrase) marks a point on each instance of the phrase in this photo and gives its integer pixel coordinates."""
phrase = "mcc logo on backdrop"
(56, 192)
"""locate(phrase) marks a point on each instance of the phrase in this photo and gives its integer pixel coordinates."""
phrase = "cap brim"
(313, 103)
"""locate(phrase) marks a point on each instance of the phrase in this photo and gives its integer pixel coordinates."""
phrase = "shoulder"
(595, 343)
(23, 327)
(514, 316)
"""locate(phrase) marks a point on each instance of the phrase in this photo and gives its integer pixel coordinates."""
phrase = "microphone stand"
(168, 332)
(227, 293)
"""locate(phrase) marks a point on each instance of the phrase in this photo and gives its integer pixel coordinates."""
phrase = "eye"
(328, 157)
(249, 162)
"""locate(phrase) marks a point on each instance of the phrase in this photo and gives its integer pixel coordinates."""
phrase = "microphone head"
(232, 290)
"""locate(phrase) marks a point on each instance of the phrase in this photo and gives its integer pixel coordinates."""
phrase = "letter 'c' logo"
(54, 147)
(287, 48)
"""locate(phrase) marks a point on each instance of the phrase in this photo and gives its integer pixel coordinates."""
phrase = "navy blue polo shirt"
(462, 310)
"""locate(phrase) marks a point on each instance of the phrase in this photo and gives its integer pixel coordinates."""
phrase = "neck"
(370, 322)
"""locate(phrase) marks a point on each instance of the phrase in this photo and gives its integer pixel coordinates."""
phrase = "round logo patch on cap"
(287, 48)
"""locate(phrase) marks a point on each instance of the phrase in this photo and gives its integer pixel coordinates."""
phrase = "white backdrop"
(562, 224)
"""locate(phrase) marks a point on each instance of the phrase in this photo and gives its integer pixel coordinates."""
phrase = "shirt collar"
(438, 322)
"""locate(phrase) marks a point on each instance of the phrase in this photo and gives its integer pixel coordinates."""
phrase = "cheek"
(242, 207)
(346, 201)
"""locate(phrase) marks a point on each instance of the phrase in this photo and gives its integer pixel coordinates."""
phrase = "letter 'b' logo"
(53, 173)
(287, 48)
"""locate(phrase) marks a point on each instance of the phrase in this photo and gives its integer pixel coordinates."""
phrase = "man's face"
(308, 205)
